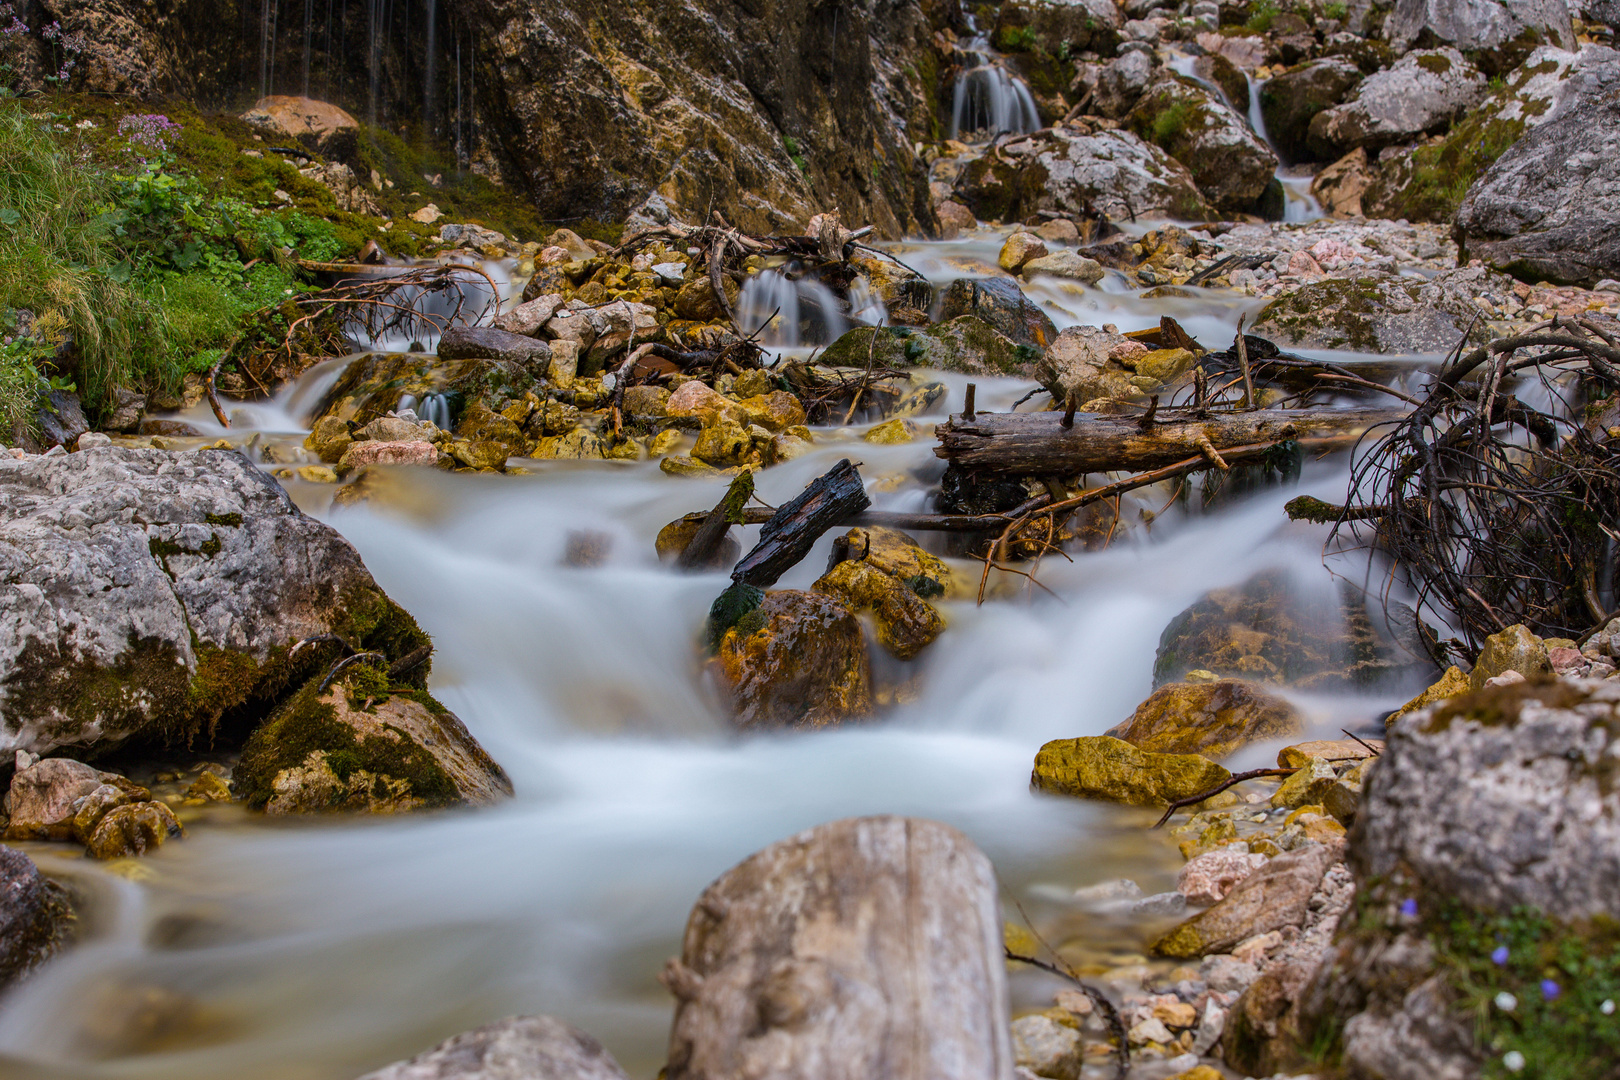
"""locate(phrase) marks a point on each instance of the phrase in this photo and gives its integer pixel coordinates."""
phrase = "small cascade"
(1298, 203)
(865, 305)
(429, 58)
(790, 313)
(989, 100)
(434, 408)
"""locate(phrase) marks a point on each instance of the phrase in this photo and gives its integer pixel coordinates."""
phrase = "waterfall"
(790, 313)
(309, 12)
(269, 14)
(989, 99)
(427, 67)
(865, 305)
(1298, 202)
(434, 408)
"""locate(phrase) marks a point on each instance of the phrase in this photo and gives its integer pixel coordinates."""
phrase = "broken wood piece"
(1306, 508)
(1243, 366)
(1212, 454)
(793, 530)
(1039, 444)
(869, 947)
(967, 401)
(726, 513)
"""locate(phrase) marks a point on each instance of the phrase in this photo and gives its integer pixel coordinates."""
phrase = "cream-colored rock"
(1019, 249)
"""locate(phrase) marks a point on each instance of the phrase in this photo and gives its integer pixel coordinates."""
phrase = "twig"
(1366, 745)
(1116, 1026)
(1235, 778)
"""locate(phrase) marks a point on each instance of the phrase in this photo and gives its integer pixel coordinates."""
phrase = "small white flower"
(1513, 1061)
(1607, 1008)
(1506, 1001)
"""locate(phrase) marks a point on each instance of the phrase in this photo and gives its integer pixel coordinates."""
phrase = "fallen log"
(758, 515)
(1038, 444)
(870, 947)
(794, 529)
(706, 542)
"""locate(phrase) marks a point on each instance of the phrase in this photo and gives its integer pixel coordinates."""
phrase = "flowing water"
(318, 949)
(988, 100)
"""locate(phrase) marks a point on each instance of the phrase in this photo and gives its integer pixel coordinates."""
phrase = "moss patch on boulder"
(1103, 767)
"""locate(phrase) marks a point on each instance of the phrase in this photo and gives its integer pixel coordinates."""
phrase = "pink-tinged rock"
(1208, 878)
(1301, 265)
(696, 399)
(527, 319)
(553, 254)
(1565, 659)
(387, 453)
(1332, 254)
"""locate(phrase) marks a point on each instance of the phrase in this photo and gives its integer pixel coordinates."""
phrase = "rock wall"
(766, 110)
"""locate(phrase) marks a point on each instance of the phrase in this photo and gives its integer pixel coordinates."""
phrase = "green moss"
(162, 549)
(729, 609)
(306, 725)
(1172, 122)
(1437, 63)
(1016, 38)
(232, 519)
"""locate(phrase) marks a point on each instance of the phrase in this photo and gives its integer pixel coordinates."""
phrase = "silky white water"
(259, 949)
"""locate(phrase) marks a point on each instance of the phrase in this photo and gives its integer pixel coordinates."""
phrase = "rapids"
(319, 949)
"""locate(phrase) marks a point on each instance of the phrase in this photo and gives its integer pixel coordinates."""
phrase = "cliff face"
(765, 110)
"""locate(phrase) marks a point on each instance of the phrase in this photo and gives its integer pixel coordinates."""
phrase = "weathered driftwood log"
(793, 530)
(727, 512)
(1039, 444)
(860, 949)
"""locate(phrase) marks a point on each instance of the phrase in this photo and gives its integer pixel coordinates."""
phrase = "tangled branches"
(1494, 511)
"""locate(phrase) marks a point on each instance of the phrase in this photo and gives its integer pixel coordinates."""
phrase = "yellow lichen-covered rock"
(906, 623)
(581, 444)
(892, 432)
(1102, 767)
(1165, 364)
(898, 555)
(786, 447)
(329, 438)
(483, 424)
(316, 474)
(1514, 649)
(681, 465)
(723, 442)
(1213, 718)
(664, 442)
(1309, 785)
(798, 660)
(479, 455)
(358, 746)
(133, 829)
(775, 411)
(622, 450)
(1216, 831)
(698, 302)
(1449, 685)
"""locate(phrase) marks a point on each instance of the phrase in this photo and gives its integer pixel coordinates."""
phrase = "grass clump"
(1535, 990)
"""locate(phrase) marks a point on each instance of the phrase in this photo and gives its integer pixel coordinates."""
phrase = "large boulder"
(517, 1048)
(1061, 170)
(1229, 163)
(1427, 182)
(870, 947)
(1423, 93)
(1486, 854)
(1061, 26)
(1377, 313)
(1290, 101)
(966, 344)
(374, 384)
(1549, 208)
(1495, 34)
(798, 660)
(1002, 304)
(358, 746)
(488, 343)
(1210, 718)
(317, 125)
(36, 917)
(152, 594)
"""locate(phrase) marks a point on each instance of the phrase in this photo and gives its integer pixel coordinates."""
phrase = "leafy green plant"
(1336, 9)
(1262, 13)
(791, 145)
(1016, 39)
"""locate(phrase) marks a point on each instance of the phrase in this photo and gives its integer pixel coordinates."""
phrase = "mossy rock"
(1213, 718)
(906, 623)
(1103, 767)
(1376, 313)
(796, 660)
(372, 385)
(360, 747)
(898, 555)
(966, 344)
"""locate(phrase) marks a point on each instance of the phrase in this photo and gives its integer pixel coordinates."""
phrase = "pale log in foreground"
(869, 947)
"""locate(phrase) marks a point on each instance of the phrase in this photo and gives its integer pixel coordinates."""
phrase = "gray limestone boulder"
(1378, 313)
(1489, 830)
(1496, 34)
(488, 343)
(517, 1048)
(1228, 162)
(1425, 92)
(145, 593)
(1549, 208)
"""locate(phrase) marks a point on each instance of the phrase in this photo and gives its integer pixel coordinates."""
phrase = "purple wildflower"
(1499, 956)
(1409, 908)
(1549, 990)
(151, 132)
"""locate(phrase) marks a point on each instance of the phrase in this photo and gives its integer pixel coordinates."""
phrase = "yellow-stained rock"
(892, 432)
(1449, 685)
(581, 444)
(1335, 750)
(775, 411)
(1213, 718)
(480, 455)
(1165, 364)
(1514, 649)
(210, 787)
(681, 465)
(1102, 767)
(316, 474)
(329, 438)
(1308, 785)
(786, 447)
(798, 660)
(623, 450)
(898, 555)
(664, 442)
(133, 829)
(906, 623)
(723, 442)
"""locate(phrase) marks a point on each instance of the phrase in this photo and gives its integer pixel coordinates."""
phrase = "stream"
(263, 949)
